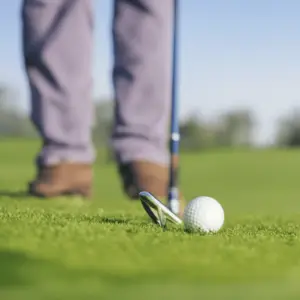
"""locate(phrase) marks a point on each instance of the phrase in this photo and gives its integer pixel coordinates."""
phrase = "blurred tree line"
(231, 129)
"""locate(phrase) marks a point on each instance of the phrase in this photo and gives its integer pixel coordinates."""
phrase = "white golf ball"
(203, 214)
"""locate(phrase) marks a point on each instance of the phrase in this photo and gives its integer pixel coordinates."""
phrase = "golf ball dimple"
(203, 214)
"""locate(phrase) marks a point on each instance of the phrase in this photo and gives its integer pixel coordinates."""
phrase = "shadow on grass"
(18, 269)
(14, 194)
(11, 262)
(24, 194)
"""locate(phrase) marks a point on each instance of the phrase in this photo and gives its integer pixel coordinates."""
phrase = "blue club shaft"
(173, 195)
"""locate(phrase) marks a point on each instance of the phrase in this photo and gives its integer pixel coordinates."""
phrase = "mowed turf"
(108, 249)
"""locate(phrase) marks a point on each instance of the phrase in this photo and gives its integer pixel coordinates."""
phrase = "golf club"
(149, 202)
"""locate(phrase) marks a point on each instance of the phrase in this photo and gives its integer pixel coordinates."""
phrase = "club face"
(151, 213)
(157, 211)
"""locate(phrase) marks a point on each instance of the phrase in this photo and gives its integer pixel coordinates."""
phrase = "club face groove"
(162, 218)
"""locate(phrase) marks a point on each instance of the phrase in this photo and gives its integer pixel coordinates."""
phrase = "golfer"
(57, 46)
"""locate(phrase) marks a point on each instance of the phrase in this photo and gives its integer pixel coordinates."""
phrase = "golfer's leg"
(57, 40)
(142, 48)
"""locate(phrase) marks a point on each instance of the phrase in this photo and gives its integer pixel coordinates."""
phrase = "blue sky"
(233, 54)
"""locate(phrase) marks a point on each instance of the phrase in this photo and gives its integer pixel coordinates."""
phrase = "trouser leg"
(57, 45)
(142, 32)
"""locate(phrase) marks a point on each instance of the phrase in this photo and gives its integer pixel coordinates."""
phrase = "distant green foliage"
(231, 129)
(13, 122)
(235, 128)
(288, 133)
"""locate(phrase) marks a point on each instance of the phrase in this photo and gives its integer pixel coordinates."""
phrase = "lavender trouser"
(58, 44)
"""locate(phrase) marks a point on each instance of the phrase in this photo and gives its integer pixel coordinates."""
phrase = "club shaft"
(173, 196)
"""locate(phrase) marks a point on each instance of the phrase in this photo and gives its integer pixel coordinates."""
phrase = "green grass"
(108, 249)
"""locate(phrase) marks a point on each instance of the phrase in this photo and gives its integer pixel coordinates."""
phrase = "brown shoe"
(140, 176)
(62, 179)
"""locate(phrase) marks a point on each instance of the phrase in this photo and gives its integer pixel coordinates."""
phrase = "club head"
(157, 211)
